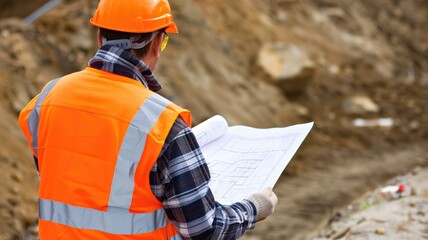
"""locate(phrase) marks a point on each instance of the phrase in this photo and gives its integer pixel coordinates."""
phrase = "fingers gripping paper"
(244, 160)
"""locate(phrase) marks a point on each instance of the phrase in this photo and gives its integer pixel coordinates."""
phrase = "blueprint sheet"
(246, 160)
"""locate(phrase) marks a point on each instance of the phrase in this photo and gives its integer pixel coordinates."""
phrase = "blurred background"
(358, 69)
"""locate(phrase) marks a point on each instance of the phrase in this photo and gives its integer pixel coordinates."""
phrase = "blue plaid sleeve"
(180, 179)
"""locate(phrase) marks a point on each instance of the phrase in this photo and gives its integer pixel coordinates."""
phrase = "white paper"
(210, 129)
(245, 160)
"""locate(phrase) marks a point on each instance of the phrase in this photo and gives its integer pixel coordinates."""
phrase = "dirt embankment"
(377, 49)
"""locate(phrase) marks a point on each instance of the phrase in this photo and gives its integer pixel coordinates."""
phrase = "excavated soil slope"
(375, 48)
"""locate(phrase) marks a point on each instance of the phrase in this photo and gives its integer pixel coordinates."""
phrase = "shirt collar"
(119, 61)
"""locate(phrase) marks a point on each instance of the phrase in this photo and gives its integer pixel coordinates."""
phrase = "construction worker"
(118, 161)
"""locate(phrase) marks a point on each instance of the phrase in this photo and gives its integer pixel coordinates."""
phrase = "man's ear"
(100, 41)
(156, 45)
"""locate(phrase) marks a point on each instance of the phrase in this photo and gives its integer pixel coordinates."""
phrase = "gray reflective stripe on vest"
(131, 151)
(109, 222)
(34, 118)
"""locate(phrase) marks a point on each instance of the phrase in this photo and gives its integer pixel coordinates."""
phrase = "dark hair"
(140, 37)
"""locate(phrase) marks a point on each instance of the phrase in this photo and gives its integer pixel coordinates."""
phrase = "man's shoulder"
(178, 126)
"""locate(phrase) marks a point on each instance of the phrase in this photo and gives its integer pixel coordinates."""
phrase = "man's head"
(137, 25)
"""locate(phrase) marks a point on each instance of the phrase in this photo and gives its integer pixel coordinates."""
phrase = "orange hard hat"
(134, 16)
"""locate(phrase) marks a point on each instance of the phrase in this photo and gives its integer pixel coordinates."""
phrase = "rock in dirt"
(360, 105)
(287, 65)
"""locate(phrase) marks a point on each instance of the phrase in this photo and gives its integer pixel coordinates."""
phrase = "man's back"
(92, 131)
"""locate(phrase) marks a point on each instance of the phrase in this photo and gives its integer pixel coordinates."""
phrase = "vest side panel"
(30, 115)
(24, 123)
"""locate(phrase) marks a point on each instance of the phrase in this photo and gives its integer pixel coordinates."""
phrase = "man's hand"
(265, 203)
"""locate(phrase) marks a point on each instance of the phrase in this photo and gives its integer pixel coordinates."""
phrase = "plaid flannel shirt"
(180, 177)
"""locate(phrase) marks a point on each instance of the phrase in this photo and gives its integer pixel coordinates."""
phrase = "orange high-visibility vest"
(96, 136)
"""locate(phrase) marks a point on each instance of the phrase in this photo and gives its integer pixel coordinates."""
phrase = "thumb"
(272, 198)
(268, 192)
